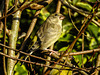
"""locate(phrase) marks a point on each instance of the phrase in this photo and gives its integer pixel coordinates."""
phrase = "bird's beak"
(61, 17)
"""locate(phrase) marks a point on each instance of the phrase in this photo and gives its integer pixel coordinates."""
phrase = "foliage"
(69, 33)
(20, 70)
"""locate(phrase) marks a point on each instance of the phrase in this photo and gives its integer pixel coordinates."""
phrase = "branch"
(13, 40)
(5, 21)
(83, 52)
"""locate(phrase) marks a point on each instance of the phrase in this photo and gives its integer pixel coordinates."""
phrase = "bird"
(48, 33)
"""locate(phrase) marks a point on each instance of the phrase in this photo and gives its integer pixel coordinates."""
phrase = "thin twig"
(83, 52)
(11, 8)
(82, 49)
(71, 54)
(72, 21)
(58, 6)
(4, 49)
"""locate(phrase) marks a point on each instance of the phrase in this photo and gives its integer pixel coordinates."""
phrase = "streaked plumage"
(49, 31)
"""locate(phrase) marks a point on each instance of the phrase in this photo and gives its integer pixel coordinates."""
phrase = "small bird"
(49, 32)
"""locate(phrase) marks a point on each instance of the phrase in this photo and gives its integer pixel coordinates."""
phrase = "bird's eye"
(56, 14)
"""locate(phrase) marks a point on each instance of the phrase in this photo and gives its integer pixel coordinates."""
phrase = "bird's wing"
(48, 34)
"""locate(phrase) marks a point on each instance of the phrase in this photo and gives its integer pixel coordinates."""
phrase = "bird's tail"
(30, 53)
(32, 49)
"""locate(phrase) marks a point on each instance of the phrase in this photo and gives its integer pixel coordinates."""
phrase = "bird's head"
(56, 17)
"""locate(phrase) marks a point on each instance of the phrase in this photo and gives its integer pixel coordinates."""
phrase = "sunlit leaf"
(75, 1)
(63, 49)
(20, 69)
(67, 38)
(93, 44)
(93, 29)
(84, 5)
(63, 72)
(92, 0)
(78, 60)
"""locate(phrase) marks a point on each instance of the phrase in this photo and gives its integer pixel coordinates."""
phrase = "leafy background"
(69, 33)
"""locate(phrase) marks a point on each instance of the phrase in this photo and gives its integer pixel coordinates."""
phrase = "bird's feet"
(51, 51)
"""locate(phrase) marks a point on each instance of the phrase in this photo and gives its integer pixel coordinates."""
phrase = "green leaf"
(62, 72)
(21, 1)
(93, 29)
(20, 70)
(67, 38)
(67, 27)
(84, 60)
(93, 44)
(63, 49)
(92, 0)
(78, 59)
(75, 1)
(44, 14)
(84, 5)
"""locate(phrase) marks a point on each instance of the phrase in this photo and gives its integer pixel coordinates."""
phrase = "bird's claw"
(51, 51)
